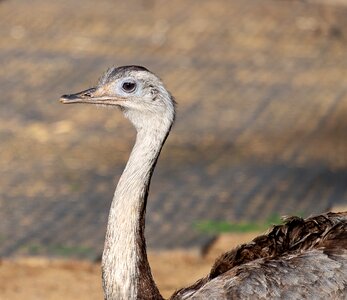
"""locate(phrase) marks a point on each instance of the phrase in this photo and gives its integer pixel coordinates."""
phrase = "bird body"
(303, 258)
(300, 259)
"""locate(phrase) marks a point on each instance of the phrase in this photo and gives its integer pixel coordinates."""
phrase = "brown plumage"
(300, 248)
(301, 259)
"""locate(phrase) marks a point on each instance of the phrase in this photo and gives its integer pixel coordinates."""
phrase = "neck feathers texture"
(125, 268)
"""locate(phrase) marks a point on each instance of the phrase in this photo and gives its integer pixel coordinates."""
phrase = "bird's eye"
(129, 86)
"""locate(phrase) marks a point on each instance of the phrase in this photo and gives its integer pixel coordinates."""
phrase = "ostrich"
(303, 258)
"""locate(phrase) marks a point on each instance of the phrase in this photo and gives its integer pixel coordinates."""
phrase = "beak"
(92, 96)
(86, 96)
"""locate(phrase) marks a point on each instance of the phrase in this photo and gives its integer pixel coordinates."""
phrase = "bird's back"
(303, 258)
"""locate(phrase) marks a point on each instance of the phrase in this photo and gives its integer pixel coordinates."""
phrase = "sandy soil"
(40, 278)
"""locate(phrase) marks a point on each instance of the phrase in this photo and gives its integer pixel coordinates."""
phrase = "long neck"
(125, 268)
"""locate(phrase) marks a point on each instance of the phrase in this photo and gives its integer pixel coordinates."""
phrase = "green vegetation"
(62, 250)
(215, 227)
(33, 249)
(58, 250)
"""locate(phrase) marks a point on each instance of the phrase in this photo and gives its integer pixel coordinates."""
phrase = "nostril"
(88, 93)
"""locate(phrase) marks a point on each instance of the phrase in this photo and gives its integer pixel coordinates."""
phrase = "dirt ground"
(41, 278)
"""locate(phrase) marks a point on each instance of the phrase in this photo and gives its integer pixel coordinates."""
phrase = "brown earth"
(40, 278)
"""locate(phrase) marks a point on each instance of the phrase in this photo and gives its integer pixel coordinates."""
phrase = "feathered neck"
(125, 269)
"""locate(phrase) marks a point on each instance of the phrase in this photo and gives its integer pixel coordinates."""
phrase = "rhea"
(303, 258)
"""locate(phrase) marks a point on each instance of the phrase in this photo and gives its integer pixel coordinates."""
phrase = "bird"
(300, 258)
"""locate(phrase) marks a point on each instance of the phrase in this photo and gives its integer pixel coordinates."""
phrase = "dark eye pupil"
(129, 86)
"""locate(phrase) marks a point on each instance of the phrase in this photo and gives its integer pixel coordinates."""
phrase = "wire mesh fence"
(261, 88)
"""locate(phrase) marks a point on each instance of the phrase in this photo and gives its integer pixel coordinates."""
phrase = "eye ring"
(129, 86)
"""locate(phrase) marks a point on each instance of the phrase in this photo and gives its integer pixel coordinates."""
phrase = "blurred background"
(260, 132)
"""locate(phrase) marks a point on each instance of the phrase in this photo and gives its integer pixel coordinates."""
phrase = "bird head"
(139, 93)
